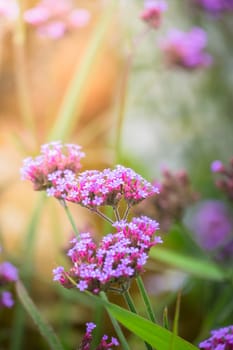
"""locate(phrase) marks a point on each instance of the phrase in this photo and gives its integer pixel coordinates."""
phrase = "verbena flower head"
(186, 49)
(175, 195)
(94, 188)
(216, 6)
(212, 224)
(105, 342)
(152, 13)
(114, 261)
(54, 18)
(224, 180)
(54, 156)
(221, 339)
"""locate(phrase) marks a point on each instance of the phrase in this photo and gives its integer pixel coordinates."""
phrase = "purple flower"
(54, 157)
(94, 188)
(8, 273)
(105, 342)
(6, 299)
(186, 49)
(114, 261)
(211, 223)
(224, 180)
(221, 339)
(217, 166)
(54, 18)
(216, 6)
(152, 12)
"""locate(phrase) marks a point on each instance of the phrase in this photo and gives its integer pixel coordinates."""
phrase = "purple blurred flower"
(211, 223)
(152, 12)
(224, 180)
(221, 339)
(114, 261)
(105, 343)
(6, 299)
(186, 49)
(54, 18)
(216, 6)
(8, 273)
(217, 166)
(175, 195)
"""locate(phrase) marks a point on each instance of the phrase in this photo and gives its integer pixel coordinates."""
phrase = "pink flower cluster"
(54, 18)
(94, 188)
(105, 343)
(152, 12)
(186, 49)
(225, 173)
(8, 274)
(112, 263)
(221, 339)
(54, 157)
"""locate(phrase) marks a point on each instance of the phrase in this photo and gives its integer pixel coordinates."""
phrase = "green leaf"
(45, 329)
(194, 266)
(155, 335)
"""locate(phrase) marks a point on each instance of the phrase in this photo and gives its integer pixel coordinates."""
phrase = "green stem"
(132, 308)
(116, 326)
(98, 320)
(72, 103)
(24, 98)
(146, 299)
(116, 212)
(102, 215)
(19, 319)
(126, 212)
(130, 302)
(70, 217)
(123, 95)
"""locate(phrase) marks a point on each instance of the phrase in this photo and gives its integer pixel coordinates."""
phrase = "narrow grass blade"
(72, 103)
(45, 330)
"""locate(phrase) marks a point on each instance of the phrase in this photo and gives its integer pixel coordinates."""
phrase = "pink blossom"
(111, 264)
(186, 49)
(54, 157)
(105, 342)
(152, 12)
(94, 188)
(53, 18)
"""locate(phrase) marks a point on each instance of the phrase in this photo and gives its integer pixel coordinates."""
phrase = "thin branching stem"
(102, 215)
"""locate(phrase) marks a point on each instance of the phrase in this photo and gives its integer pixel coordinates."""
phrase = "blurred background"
(125, 95)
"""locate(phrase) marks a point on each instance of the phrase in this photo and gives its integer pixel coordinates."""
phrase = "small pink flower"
(105, 342)
(53, 18)
(152, 12)
(186, 49)
(54, 157)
